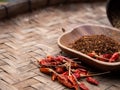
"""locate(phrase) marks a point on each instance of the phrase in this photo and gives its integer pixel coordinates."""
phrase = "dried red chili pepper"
(50, 61)
(80, 72)
(114, 57)
(50, 58)
(59, 58)
(60, 70)
(83, 86)
(92, 80)
(71, 78)
(91, 55)
(66, 71)
(77, 75)
(55, 63)
(65, 74)
(54, 77)
(108, 56)
(83, 72)
(46, 62)
(63, 79)
(105, 57)
(43, 62)
(45, 70)
(68, 81)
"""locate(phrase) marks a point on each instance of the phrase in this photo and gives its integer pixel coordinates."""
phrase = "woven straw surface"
(30, 37)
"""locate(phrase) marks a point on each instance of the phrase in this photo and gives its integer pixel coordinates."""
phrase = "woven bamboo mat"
(29, 37)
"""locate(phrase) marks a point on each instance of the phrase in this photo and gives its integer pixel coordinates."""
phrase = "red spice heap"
(99, 46)
(66, 71)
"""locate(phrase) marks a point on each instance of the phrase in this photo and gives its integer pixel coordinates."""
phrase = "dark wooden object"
(22, 6)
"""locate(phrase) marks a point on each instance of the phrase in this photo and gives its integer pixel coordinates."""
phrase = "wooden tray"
(29, 37)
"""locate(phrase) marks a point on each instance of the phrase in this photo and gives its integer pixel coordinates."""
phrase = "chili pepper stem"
(97, 74)
(76, 80)
(51, 70)
(69, 68)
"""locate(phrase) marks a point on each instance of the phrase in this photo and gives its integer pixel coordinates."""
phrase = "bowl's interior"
(67, 38)
(75, 34)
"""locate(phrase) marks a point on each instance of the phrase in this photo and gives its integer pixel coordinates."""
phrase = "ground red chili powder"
(101, 44)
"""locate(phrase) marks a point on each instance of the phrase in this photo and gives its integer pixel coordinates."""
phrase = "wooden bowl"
(67, 38)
